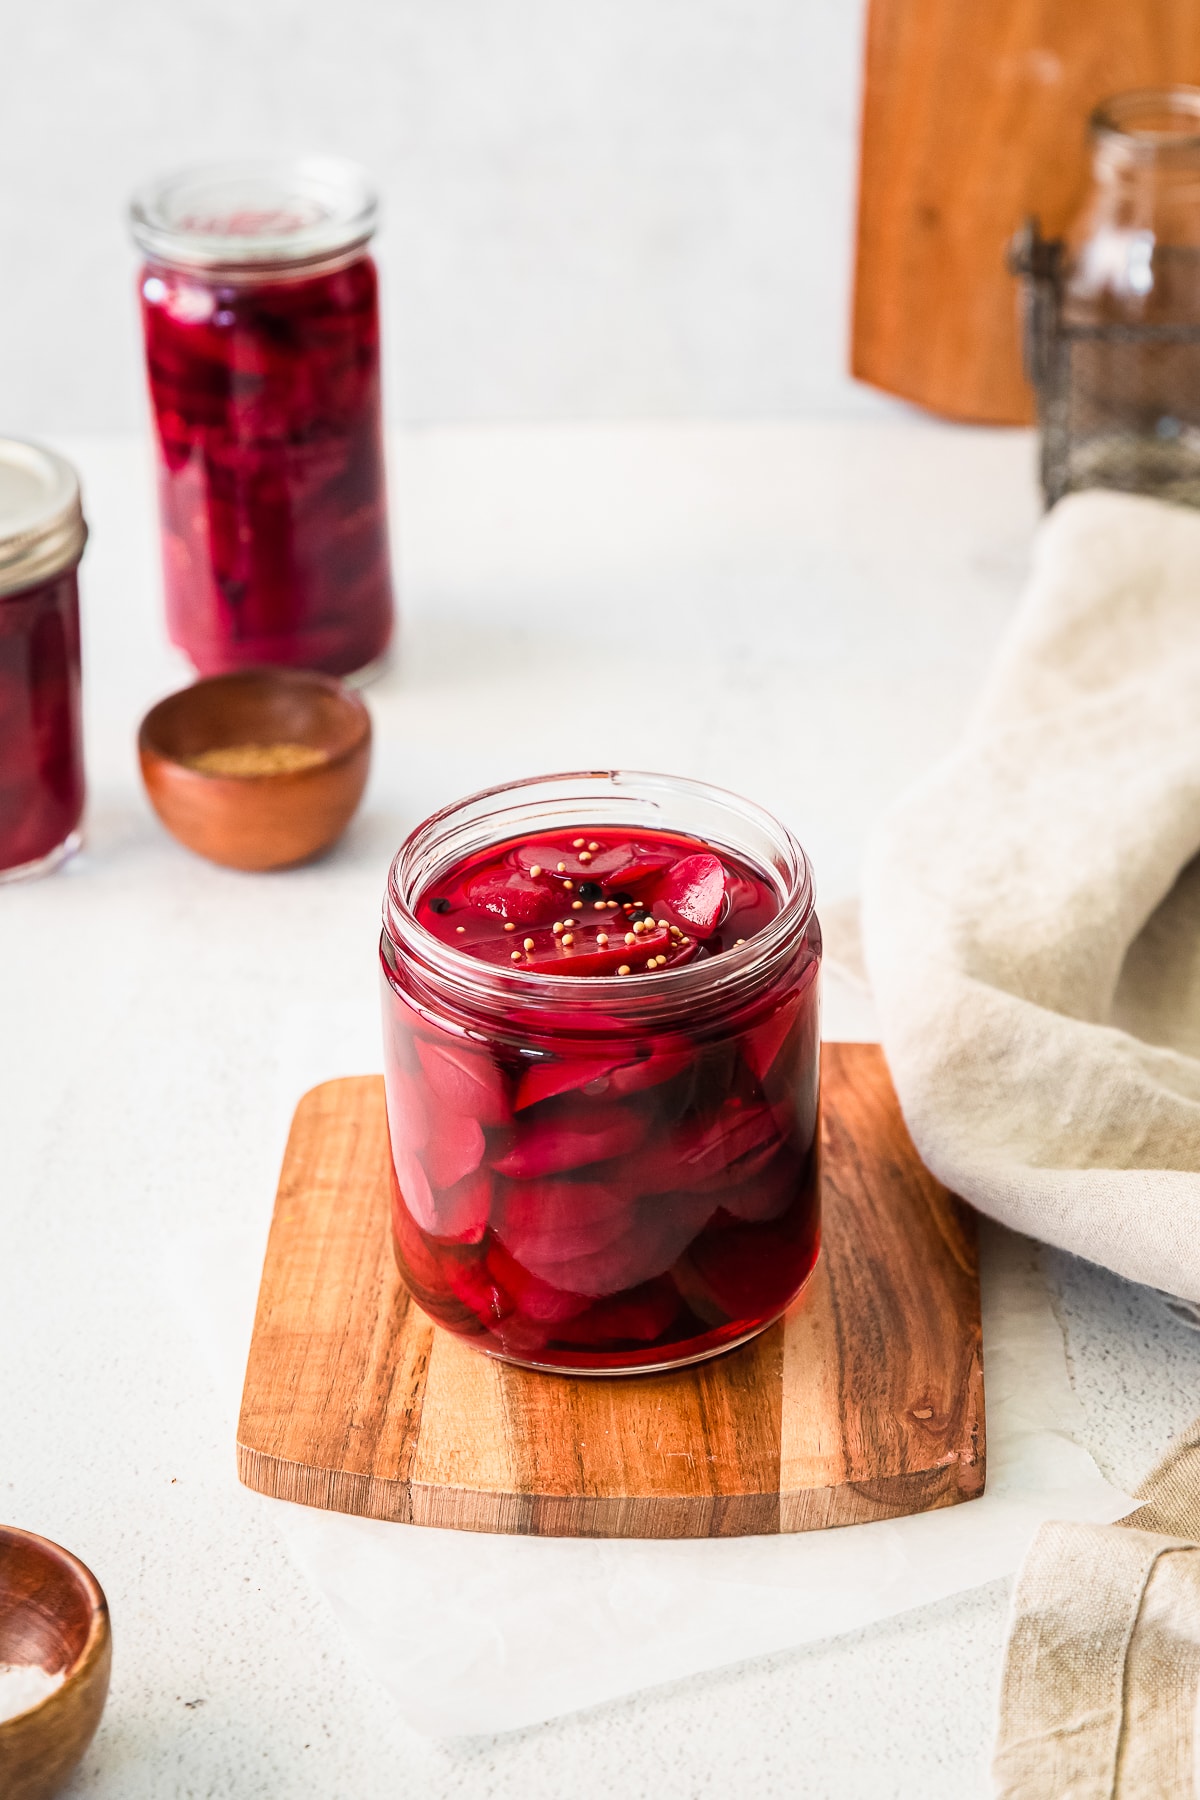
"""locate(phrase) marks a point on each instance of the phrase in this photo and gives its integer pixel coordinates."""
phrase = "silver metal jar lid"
(247, 218)
(41, 517)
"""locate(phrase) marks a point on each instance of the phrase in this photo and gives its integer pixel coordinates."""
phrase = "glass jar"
(603, 1175)
(42, 535)
(1115, 314)
(261, 320)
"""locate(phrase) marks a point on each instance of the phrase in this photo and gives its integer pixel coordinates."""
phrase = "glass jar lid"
(247, 218)
(41, 516)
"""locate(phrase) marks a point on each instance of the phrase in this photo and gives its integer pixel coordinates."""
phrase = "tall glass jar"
(42, 535)
(1121, 388)
(261, 320)
(615, 1173)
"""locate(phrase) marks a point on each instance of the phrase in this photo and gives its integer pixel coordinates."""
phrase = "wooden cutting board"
(975, 116)
(864, 1403)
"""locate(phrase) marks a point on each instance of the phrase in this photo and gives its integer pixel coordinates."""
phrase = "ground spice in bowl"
(257, 759)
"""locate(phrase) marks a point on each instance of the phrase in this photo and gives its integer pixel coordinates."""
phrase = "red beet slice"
(652, 1071)
(639, 864)
(511, 894)
(535, 1298)
(639, 1317)
(473, 1283)
(613, 865)
(466, 1080)
(570, 1134)
(762, 1045)
(766, 1197)
(560, 1075)
(692, 893)
(751, 1270)
(414, 1187)
(455, 1149)
(461, 1212)
(557, 1220)
(589, 958)
(423, 1269)
(408, 1116)
(727, 1145)
(654, 1237)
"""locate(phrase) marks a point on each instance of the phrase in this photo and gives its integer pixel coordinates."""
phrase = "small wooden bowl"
(257, 821)
(53, 1614)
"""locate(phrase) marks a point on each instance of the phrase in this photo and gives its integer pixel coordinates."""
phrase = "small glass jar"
(42, 535)
(1113, 311)
(601, 1175)
(261, 319)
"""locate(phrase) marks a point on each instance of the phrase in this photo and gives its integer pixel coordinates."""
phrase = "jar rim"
(1136, 121)
(273, 214)
(729, 979)
(42, 531)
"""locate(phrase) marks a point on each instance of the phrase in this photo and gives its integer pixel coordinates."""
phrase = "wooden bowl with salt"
(260, 769)
(55, 1657)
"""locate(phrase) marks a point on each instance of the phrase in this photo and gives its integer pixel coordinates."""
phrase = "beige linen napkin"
(1102, 1672)
(1031, 925)
(1031, 922)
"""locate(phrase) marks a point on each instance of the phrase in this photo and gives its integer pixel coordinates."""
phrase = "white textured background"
(624, 208)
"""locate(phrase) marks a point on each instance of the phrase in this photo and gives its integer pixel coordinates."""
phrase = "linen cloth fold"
(1102, 1671)
(1031, 909)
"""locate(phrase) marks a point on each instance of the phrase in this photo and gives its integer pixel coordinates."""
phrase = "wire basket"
(1118, 403)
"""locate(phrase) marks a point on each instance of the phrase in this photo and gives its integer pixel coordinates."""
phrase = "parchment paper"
(477, 1633)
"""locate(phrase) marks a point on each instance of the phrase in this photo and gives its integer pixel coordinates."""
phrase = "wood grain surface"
(53, 1616)
(973, 118)
(865, 1402)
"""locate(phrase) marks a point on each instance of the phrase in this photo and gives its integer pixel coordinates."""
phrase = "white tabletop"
(800, 611)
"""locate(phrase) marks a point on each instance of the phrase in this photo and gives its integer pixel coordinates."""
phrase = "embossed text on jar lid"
(41, 516)
(244, 218)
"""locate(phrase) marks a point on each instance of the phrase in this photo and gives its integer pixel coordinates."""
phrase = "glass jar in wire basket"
(1112, 309)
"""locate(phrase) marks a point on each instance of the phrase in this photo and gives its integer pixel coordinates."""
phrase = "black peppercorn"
(589, 890)
(439, 906)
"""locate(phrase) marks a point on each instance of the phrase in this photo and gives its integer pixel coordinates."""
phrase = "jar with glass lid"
(260, 313)
(42, 535)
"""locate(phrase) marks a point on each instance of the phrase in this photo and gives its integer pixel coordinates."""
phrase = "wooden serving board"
(975, 116)
(865, 1402)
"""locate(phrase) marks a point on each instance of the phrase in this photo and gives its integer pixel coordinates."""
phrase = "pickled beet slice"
(454, 1151)
(569, 1134)
(750, 1270)
(414, 1187)
(555, 1221)
(472, 1282)
(655, 1236)
(641, 864)
(625, 862)
(468, 1081)
(542, 1081)
(729, 1146)
(761, 1046)
(652, 1071)
(589, 958)
(424, 1269)
(408, 1116)
(639, 1317)
(692, 892)
(511, 894)
(768, 1195)
(536, 1298)
(461, 1212)
(728, 1142)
